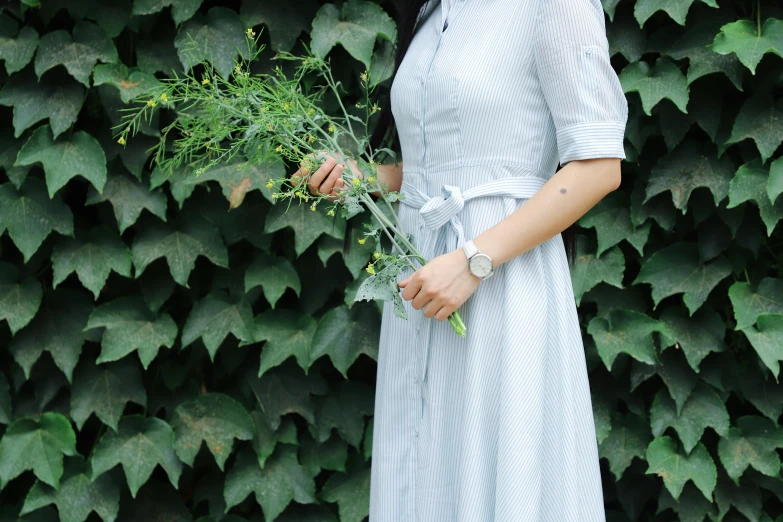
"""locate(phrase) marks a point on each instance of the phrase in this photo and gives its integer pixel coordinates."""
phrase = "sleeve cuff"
(592, 139)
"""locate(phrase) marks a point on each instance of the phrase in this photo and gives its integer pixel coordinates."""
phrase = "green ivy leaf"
(239, 177)
(217, 38)
(343, 410)
(214, 317)
(691, 505)
(280, 391)
(676, 9)
(128, 198)
(180, 243)
(750, 184)
(751, 442)
(30, 215)
(105, 389)
(287, 333)
(131, 326)
(697, 336)
(274, 275)
(306, 224)
(589, 270)
(761, 119)
(19, 298)
(281, 480)
(17, 46)
(611, 218)
(625, 331)
(702, 409)
(345, 333)
(181, 10)
(57, 329)
(43, 442)
(6, 413)
(78, 54)
(214, 418)
(628, 438)
(65, 158)
(139, 445)
(743, 39)
(746, 499)
(156, 52)
(355, 255)
(625, 38)
(775, 183)
(676, 269)
(675, 468)
(284, 21)
(767, 340)
(749, 302)
(92, 255)
(663, 80)
(265, 439)
(687, 169)
(78, 496)
(34, 101)
(355, 27)
(129, 82)
(351, 492)
(331, 455)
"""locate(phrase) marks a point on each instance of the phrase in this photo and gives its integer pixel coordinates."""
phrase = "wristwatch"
(479, 263)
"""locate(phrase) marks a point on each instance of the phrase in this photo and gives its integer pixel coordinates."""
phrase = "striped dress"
(497, 426)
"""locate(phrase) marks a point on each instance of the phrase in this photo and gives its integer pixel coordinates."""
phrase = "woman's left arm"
(445, 282)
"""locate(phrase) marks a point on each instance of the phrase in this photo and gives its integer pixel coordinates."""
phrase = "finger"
(328, 184)
(411, 289)
(338, 186)
(430, 309)
(317, 177)
(423, 297)
(404, 282)
(443, 313)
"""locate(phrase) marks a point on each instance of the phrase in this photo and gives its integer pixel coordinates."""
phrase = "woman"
(495, 427)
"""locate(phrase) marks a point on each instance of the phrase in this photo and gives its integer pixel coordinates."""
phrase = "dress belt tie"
(437, 211)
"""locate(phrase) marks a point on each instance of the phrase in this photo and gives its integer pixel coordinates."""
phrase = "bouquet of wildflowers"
(262, 117)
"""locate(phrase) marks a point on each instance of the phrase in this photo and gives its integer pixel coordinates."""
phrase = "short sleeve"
(581, 89)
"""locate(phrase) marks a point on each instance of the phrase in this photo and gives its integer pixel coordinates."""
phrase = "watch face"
(480, 265)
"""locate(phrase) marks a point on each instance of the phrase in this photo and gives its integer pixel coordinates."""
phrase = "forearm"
(566, 197)
(388, 174)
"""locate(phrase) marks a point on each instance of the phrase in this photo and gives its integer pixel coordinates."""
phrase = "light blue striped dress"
(498, 426)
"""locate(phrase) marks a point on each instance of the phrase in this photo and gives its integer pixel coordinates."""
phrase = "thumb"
(404, 282)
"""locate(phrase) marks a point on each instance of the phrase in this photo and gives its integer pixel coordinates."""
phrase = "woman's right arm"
(327, 179)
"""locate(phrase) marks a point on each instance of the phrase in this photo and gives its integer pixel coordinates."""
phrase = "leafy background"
(166, 358)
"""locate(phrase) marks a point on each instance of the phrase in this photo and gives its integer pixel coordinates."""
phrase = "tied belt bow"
(437, 211)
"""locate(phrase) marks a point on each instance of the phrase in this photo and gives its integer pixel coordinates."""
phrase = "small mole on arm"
(562, 191)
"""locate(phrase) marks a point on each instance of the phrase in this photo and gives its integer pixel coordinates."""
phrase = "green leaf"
(6, 413)
(355, 255)
(156, 53)
(65, 158)
(625, 38)
(34, 101)
(697, 336)
(628, 438)
(676, 9)
(351, 492)
(611, 218)
(217, 38)
(284, 21)
(589, 270)
(139, 445)
(702, 409)
(214, 418)
(214, 317)
(306, 224)
(181, 10)
(625, 331)
(280, 391)
(775, 184)
(179, 181)
(281, 480)
(691, 505)
(663, 80)
(131, 326)
(343, 334)
(105, 390)
(676, 269)
(42, 442)
(749, 302)
(761, 119)
(239, 177)
(287, 333)
(355, 27)
(78, 496)
(17, 46)
(745, 499)
(30, 215)
(57, 329)
(274, 274)
(344, 410)
(19, 299)
(129, 82)
(686, 169)
(743, 39)
(751, 442)
(92, 258)
(265, 439)
(750, 184)
(78, 54)
(331, 455)
(767, 340)
(180, 243)
(128, 198)
(675, 468)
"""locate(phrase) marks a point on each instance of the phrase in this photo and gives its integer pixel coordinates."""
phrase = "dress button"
(416, 380)
(415, 433)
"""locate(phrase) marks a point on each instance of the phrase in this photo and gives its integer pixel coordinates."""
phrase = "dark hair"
(385, 129)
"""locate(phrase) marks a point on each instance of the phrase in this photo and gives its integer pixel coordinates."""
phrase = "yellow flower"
(279, 148)
(311, 138)
(362, 240)
(286, 105)
(310, 111)
(356, 182)
(363, 76)
(376, 255)
(312, 207)
(163, 97)
(270, 184)
(370, 269)
(250, 32)
(151, 103)
(375, 107)
(121, 141)
(275, 195)
(237, 69)
(331, 128)
(330, 213)
(371, 179)
(205, 81)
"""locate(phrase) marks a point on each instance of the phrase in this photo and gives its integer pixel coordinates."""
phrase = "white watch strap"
(470, 249)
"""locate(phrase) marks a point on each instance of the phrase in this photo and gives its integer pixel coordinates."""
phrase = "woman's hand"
(327, 179)
(443, 284)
